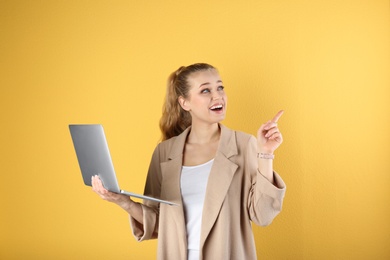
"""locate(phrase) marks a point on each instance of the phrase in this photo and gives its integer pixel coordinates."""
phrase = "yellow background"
(326, 63)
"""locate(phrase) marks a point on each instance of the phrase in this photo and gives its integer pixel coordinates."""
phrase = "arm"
(265, 197)
(269, 139)
(143, 217)
(268, 189)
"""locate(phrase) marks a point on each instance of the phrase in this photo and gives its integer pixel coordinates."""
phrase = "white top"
(193, 185)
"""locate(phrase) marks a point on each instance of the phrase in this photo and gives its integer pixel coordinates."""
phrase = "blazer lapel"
(171, 169)
(171, 172)
(221, 175)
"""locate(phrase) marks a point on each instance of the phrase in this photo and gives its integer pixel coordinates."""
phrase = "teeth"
(216, 107)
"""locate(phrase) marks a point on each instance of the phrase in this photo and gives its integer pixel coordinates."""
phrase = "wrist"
(264, 150)
(263, 155)
(126, 204)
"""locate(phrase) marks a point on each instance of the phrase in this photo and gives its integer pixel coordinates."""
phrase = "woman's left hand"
(268, 136)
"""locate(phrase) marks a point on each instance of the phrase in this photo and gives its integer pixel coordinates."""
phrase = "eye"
(206, 90)
(221, 88)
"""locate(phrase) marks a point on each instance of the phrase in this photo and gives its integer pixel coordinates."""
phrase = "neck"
(203, 134)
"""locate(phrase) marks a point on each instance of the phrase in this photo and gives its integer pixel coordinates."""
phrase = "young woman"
(223, 179)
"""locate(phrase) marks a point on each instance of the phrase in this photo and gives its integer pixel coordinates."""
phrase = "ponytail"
(175, 119)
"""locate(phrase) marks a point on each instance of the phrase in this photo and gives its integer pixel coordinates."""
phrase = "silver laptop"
(94, 159)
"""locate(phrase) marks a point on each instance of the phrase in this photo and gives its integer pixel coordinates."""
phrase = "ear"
(183, 103)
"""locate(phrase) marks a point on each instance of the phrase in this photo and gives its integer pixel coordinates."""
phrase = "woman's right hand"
(98, 188)
(133, 208)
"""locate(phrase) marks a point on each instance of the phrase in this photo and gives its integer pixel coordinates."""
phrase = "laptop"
(94, 159)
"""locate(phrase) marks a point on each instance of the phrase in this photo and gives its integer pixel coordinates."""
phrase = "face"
(207, 101)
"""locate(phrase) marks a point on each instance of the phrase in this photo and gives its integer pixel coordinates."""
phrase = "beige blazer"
(236, 194)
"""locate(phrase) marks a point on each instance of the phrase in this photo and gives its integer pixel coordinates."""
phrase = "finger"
(271, 132)
(276, 137)
(93, 181)
(270, 125)
(99, 185)
(263, 127)
(277, 116)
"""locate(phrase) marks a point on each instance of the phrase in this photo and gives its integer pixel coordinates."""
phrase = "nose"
(215, 97)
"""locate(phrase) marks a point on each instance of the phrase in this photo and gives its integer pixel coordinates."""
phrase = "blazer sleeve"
(149, 228)
(265, 199)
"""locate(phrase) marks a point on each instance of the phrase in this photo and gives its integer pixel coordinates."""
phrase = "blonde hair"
(175, 119)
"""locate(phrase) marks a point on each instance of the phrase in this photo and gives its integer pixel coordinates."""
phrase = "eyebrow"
(208, 83)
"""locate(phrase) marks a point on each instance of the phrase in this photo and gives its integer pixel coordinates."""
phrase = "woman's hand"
(268, 136)
(97, 187)
(134, 209)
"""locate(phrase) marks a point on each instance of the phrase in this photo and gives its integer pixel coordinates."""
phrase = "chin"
(220, 119)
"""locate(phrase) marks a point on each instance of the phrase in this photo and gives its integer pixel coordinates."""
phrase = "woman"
(222, 179)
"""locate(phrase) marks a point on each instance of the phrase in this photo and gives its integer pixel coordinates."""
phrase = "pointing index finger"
(278, 115)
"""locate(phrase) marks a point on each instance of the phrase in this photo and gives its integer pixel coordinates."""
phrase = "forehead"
(198, 78)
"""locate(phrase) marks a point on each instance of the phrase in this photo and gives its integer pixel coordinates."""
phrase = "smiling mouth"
(216, 108)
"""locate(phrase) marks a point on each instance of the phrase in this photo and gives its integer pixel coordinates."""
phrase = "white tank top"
(193, 183)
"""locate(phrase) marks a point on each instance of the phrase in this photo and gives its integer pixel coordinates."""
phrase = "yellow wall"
(326, 63)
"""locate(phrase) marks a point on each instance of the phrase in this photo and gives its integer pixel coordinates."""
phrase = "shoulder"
(240, 136)
(172, 147)
(167, 144)
(235, 142)
(164, 147)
